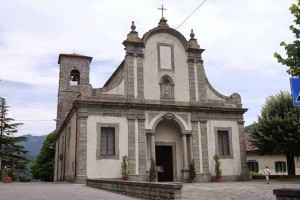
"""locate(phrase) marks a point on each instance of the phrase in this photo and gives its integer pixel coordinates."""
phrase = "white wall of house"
(105, 168)
(269, 160)
(228, 166)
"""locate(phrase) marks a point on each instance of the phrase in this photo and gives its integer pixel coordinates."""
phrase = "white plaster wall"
(211, 96)
(166, 132)
(228, 166)
(152, 76)
(117, 90)
(269, 160)
(105, 168)
(71, 148)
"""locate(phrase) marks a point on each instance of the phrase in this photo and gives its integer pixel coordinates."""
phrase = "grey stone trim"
(204, 145)
(142, 190)
(172, 56)
(201, 81)
(195, 145)
(172, 87)
(167, 117)
(229, 130)
(140, 78)
(215, 91)
(131, 144)
(244, 168)
(129, 77)
(192, 81)
(142, 146)
(117, 149)
(170, 31)
(81, 148)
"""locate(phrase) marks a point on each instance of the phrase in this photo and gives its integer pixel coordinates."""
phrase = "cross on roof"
(162, 10)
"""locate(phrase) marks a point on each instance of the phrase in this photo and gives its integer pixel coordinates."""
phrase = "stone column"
(153, 146)
(184, 148)
(205, 159)
(244, 169)
(185, 170)
(131, 143)
(81, 148)
(191, 147)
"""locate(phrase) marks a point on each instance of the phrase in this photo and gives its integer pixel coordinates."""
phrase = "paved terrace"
(64, 191)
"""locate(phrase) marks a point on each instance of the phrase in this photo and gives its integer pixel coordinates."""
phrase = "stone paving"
(55, 191)
(253, 190)
(250, 190)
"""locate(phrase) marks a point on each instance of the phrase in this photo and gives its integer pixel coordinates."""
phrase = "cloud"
(240, 38)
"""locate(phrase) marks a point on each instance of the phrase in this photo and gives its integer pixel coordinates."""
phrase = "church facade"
(157, 104)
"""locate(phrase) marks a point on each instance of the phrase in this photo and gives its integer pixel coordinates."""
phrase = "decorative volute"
(193, 44)
(163, 23)
(132, 36)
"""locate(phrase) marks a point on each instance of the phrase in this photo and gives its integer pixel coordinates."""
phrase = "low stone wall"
(287, 194)
(143, 190)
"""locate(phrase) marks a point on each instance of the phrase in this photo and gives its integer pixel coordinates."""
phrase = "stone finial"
(133, 27)
(193, 44)
(192, 34)
(163, 23)
(132, 36)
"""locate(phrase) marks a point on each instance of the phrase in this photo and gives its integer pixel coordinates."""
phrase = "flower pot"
(193, 180)
(218, 179)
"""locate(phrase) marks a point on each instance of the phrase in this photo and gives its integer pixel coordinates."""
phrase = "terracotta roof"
(248, 145)
(73, 55)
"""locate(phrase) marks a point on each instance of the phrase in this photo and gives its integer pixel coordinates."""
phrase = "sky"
(239, 38)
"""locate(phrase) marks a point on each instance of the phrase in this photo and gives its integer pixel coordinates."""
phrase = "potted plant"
(192, 172)
(152, 171)
(218, 170)
(124, 168)
(5, 175)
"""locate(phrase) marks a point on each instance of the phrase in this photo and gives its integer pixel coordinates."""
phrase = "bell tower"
(74, 71)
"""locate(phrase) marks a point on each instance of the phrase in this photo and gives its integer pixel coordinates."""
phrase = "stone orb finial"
(192, 34)
(133, 27)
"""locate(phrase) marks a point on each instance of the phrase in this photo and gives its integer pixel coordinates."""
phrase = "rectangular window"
(107, 146)
(253, 166)
(223, 143)
(280, 167)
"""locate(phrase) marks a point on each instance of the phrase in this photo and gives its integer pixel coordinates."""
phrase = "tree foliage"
(278, 129)
(43, 166)
(292, 50)
(12, 153)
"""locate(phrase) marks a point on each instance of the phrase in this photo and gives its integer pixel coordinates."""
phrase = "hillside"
(33, 145)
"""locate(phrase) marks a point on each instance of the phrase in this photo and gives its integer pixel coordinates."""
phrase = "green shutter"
(256, 167)
(276, 167)
(284, 166)
(249, 166)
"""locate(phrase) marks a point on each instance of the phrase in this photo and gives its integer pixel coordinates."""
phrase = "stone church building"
(157, 104)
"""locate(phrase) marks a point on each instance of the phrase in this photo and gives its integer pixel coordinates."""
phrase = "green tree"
(43, 166)
(12, 154)
(278, 129)
(292, 50)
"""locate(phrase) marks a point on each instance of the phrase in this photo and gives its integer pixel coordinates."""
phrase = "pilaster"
(244, 168)
(131, 144)
(204, 145)
(81, 148)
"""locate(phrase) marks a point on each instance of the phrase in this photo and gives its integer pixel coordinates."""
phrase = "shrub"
(152, 171)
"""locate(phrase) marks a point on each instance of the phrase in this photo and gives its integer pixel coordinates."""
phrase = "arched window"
(75, 77)
(166, 87)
